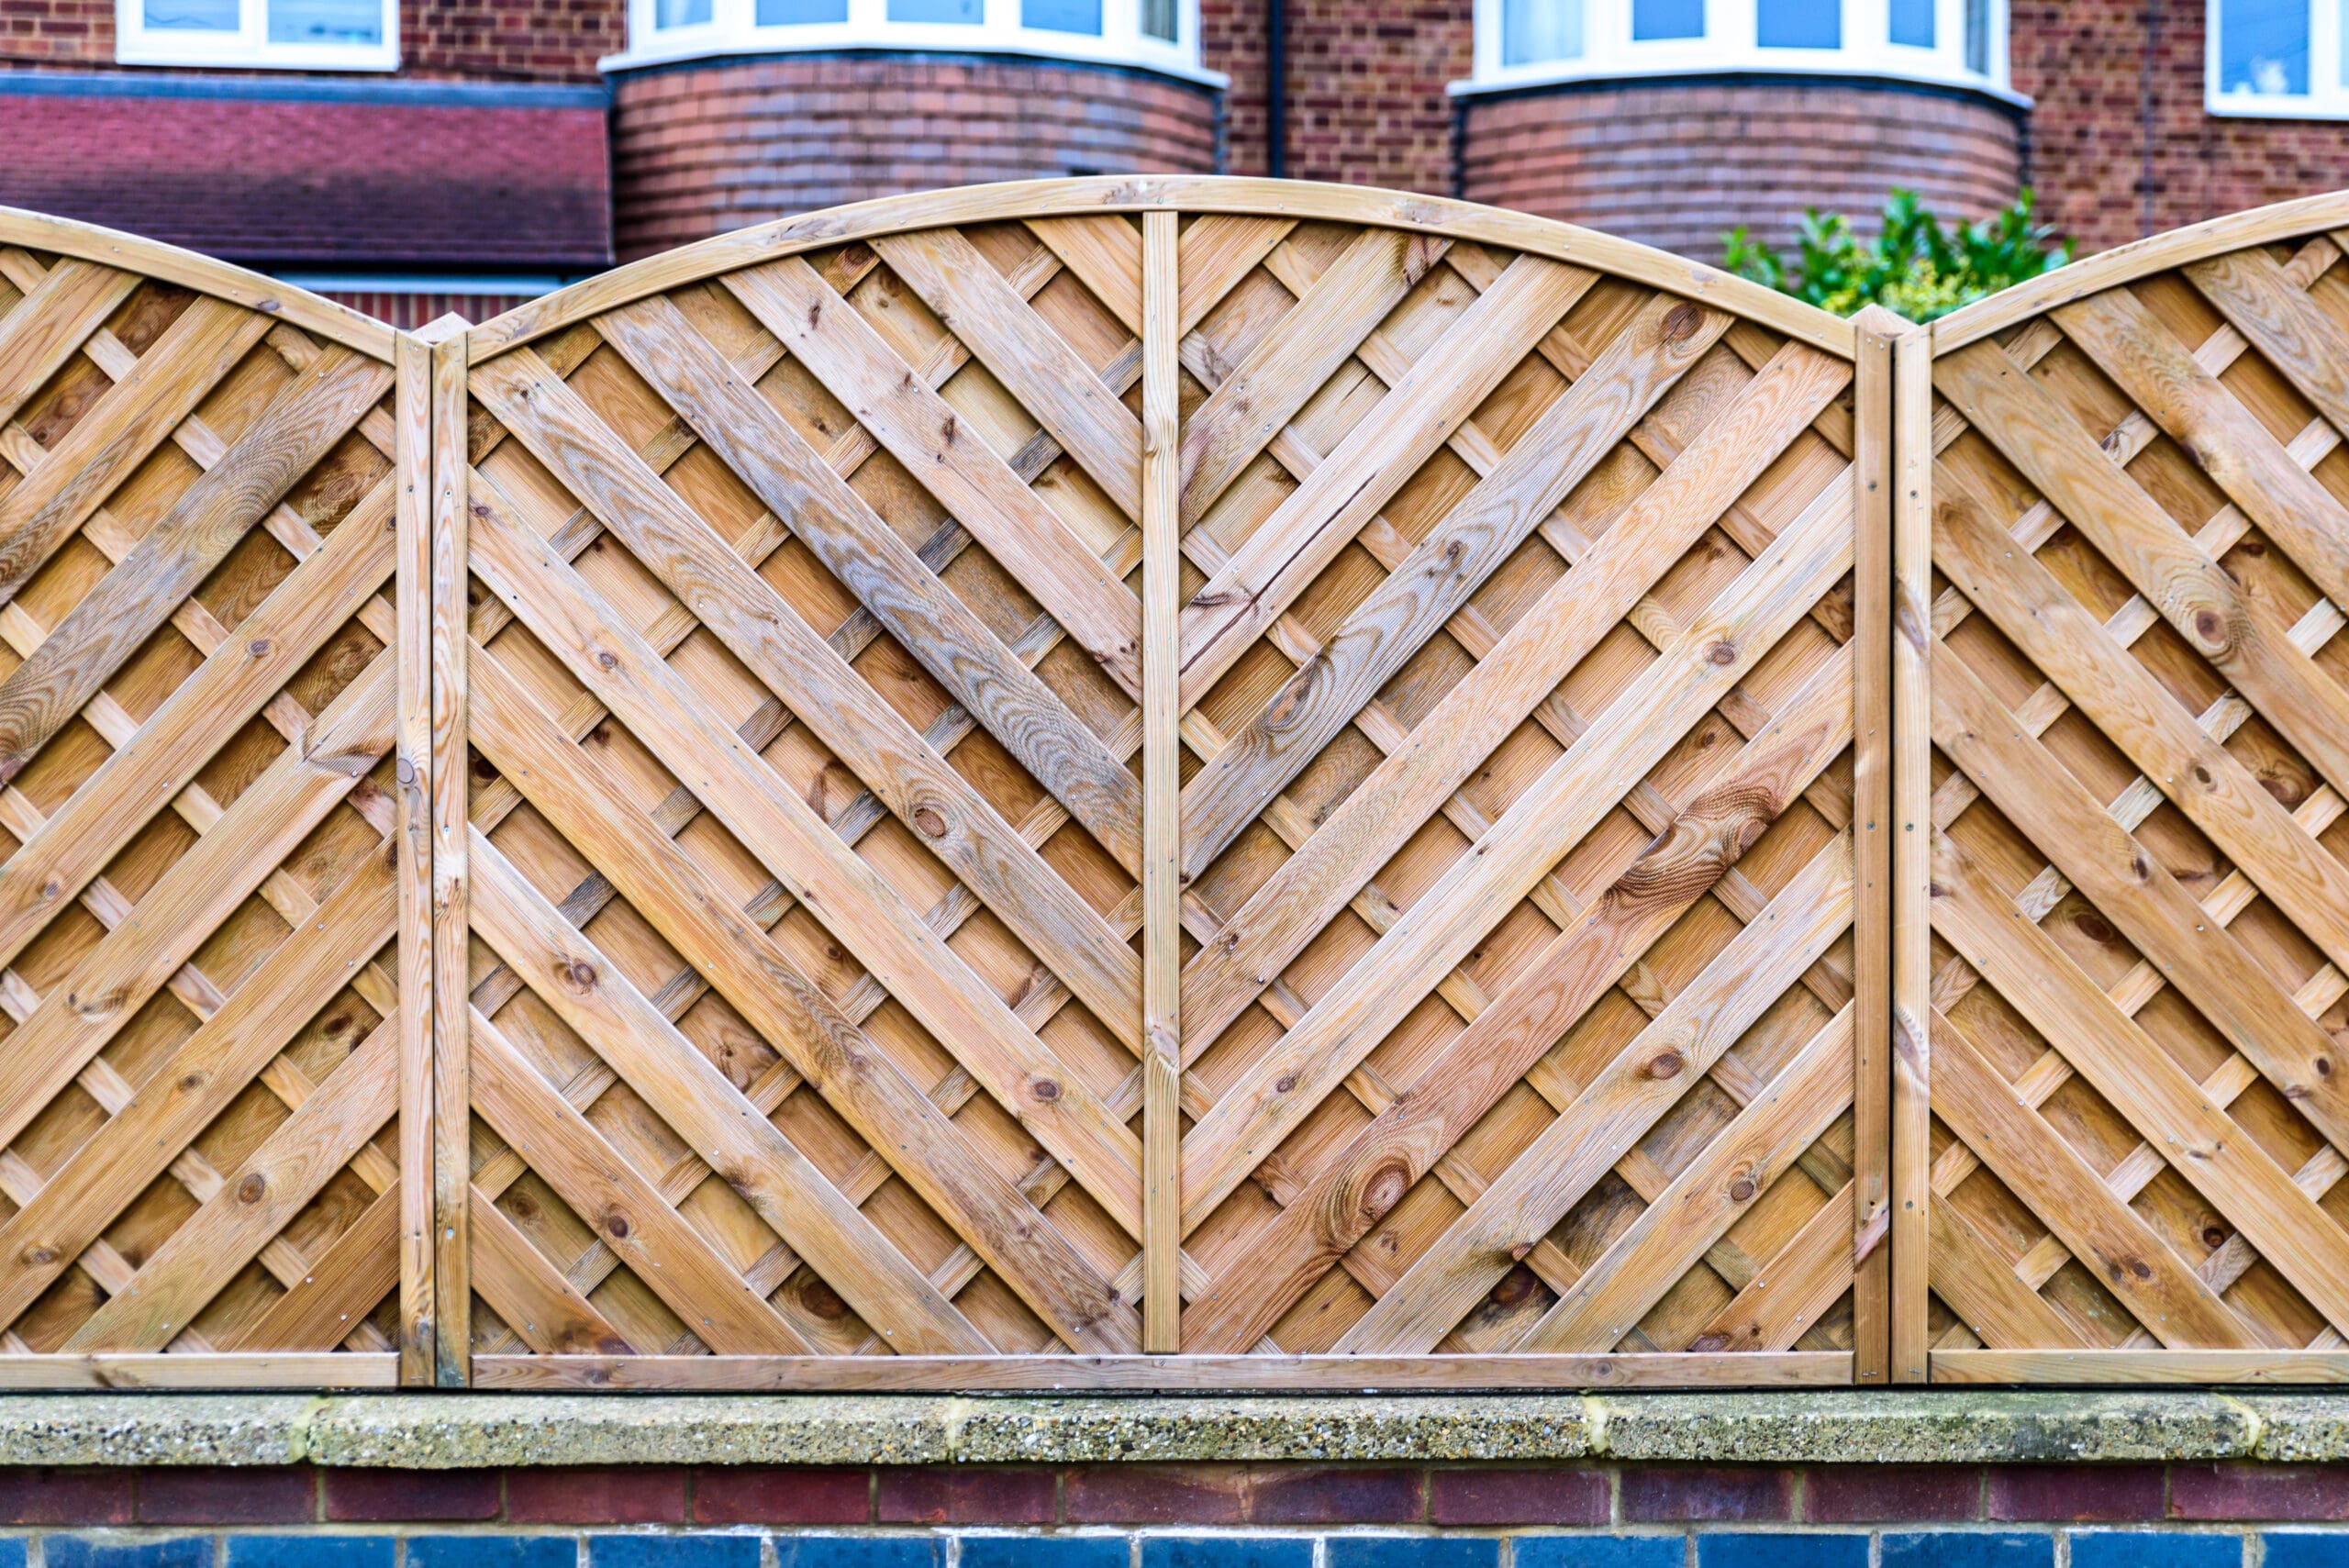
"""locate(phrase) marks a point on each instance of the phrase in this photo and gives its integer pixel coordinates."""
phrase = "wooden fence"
(1173, 783)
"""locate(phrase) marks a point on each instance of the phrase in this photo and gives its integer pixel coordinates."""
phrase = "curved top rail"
(2139, 259)
(154, 259)
(1194, 194)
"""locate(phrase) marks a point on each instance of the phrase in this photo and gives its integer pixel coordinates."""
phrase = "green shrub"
(1914, 266)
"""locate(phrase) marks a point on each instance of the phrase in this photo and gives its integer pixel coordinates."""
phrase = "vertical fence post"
(1871, 743)
(1912, 640)
(1162, 803)
(412, 409)
(452, 1081)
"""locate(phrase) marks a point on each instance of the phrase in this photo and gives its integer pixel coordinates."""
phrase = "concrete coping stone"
(426, 1430)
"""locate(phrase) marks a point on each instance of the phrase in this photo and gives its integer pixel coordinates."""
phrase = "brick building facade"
(368, 168)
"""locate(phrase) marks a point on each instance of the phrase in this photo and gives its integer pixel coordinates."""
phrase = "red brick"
(965, 1497)
(781, 1495)
(1892, 1494)
(1676, 1492)
(42, 1496)
(395, 1496)
(1545, 1496)
(2080, 1493)
(260, 1495)
(2284, 1492)
(647, 1497)
(1155, 1493)
(1328, 1496)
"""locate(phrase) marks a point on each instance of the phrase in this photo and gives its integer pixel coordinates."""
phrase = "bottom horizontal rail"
(1269, 1372)
(340, 1369)
(2140, 1366)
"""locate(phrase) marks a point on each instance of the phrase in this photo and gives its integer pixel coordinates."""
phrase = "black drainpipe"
(1276, 88)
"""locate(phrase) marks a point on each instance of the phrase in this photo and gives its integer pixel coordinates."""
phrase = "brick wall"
(1673, 164)
(2122, 146)
(504, 41)
(1366, 86)
(1143, 1516)
(702, 150)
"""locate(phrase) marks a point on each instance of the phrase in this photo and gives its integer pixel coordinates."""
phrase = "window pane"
(191, 16)
(965, 11)
(1158, 19)
(679, 13)
(1978, 37)
(2264, 47)
(1798, 24)
(1537, 31)
(1912, 23)
(794, 12)
(1667, 18)
(326, 21)
(1062, 16)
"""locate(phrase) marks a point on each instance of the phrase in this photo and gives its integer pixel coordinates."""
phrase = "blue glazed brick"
(1413, 1552)
(309, 1552)
(2154, 1549)
(1601, 1551)
(673, 1551)
(86, 1551)
(1780, 1548)
(492, 1551)
(859, 1552)
(1226, 1552)
(2307, 1548)
(1046, 1551)
(1969, 1549)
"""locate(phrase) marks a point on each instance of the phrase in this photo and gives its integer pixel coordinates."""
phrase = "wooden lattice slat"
(2139, 909)
(198, 913)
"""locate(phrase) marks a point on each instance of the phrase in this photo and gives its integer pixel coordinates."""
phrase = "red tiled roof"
(481, 182)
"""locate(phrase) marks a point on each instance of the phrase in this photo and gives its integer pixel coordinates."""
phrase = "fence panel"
(1498, 763)
(203, 1057)
(2140, 711)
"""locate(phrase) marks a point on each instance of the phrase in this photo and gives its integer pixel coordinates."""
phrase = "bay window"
(2287, 59)
(1159, 34)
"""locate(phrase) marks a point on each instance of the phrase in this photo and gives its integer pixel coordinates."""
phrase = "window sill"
(737, 47)
(1529, 79)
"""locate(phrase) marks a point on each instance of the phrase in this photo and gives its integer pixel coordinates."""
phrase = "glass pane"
(1536, 30)
(191, 16)
(1798, 24)
(795, 13)
(1912, 23)
(2264, 47)
(326, 21)
(1062, 16)
(959, 11)
(1158, 19)
(679, 13)
(1667, 18)
(1978, 37)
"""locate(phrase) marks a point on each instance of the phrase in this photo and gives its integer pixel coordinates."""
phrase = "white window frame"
(733, 29)
(2328, 94)
(248, 48)
(1729, 44)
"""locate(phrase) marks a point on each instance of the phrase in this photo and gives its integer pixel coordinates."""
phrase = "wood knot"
(2325, 1067)
(1284, 1083)
(1722, 654)
(1388, 1183)
(616, 1226)
(1046, 1090)
(579, 974)
(2214, 1236)
(253, 1188)
(1680, 322)
(2209, 626)
(607, 659)
(258, 647)
(928, 819)
(1743, 1190)
(1664, 1064)
(1708, 1342)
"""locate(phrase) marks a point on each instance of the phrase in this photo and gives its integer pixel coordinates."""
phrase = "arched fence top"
(1301, 200)
(2140, 259)
(222, 280)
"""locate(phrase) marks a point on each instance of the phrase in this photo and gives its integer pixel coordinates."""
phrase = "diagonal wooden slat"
(1020, 350)
(688, 1092)
(856, 1077)
(1793, 1291)
(2273, 311)
(551, 1315)
(1457, 910)
(954, 820)
(866, 914)
(1504, 686)
(346, 1281)
(922, 430)
(887, 575)
(1553, 455)
(52, 321)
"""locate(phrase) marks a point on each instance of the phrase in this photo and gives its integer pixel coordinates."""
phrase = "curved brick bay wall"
(702, 148)
(1674, 163)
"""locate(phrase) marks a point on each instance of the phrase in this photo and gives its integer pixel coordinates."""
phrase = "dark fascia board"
(305, 90)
